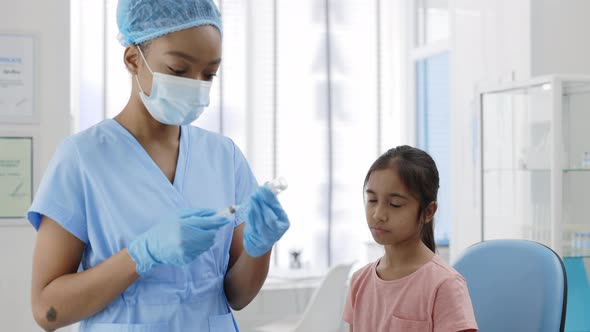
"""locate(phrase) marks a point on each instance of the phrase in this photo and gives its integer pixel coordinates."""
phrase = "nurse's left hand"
(266, 222)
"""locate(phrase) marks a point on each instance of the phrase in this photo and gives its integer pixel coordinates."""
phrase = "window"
(432, 21)
(434, 130)
(430, 58)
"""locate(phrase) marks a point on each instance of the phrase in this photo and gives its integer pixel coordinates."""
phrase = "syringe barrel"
(227, 211)
(276, 186)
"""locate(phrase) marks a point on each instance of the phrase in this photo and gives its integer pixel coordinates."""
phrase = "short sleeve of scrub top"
(60, 194)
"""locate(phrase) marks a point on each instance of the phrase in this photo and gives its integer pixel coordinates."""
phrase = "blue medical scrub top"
(103, 187)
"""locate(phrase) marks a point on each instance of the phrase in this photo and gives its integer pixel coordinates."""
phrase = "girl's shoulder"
(440, 271)
(364, 273)
(442, 266)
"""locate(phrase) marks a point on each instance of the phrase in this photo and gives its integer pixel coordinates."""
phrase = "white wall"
(559, 42)
(490, 43)
(50, 20)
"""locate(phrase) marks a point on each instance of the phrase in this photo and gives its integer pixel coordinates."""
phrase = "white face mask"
(175, 100)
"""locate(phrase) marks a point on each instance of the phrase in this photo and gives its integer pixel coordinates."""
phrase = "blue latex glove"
(266, 222)
(177, 241)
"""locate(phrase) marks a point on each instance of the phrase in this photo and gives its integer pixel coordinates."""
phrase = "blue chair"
(515, 285)
(578, 295)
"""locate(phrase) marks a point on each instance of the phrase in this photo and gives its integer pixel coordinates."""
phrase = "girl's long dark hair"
(419, 174)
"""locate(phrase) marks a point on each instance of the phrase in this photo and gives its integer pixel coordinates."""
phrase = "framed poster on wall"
(16, 177)
(17, 78)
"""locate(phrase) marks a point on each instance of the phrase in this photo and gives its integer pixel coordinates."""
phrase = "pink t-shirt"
(434, 298)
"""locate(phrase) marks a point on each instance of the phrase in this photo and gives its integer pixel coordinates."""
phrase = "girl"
(113, 250)
(410, 288)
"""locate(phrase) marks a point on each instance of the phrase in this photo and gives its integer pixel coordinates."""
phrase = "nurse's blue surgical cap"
(143, 20)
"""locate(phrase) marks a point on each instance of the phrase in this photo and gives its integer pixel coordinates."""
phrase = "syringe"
(276, 186)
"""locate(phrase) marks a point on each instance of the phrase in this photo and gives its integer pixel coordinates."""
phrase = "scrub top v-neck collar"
(151, 165)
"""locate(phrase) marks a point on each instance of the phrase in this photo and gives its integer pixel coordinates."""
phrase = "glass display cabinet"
(536, 162)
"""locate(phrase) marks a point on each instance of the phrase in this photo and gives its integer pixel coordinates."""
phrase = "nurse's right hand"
(177, 241)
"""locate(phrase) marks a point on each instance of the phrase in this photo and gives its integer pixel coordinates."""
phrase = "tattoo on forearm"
(51, 314)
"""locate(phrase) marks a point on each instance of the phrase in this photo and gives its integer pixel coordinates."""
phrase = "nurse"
(127, 236)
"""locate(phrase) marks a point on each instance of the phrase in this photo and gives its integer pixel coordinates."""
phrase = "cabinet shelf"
(509, 170)
(577, 170)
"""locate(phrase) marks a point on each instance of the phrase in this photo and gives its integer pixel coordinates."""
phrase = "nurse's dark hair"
(419, 174)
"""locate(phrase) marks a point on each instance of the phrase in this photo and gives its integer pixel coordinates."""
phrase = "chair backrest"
(324, 311)
(515, 285)
(578, 294)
